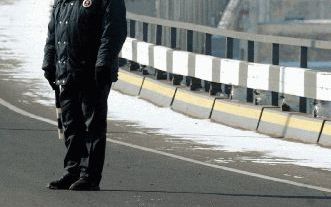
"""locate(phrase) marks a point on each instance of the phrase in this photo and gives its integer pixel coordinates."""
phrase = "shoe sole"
(97, 188)
(53, 187)
(56, 188)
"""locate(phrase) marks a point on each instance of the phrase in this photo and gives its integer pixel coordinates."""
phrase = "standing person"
(81, 57)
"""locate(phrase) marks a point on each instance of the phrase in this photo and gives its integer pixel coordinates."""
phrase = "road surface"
(31, 156)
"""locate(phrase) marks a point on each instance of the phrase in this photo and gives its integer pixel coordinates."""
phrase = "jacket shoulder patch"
(87, 3)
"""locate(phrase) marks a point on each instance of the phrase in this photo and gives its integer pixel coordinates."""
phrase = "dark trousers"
(84, 117)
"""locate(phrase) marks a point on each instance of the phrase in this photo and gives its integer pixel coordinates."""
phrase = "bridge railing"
(214, 84)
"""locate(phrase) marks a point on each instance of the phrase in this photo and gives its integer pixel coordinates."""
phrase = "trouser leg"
(94, 107)
(74, 128)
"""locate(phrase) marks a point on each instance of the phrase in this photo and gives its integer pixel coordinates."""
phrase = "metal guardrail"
(300, 42)
(230, 36)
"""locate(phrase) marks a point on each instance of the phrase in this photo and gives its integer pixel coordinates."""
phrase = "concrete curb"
(129, 83)
(290, 125)
(157, 92)
(325, 139)
(264, 119)
(244, 116)
(193, 104)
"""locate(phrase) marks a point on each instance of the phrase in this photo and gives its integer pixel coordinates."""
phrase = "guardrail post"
(173, 37)
(145, 39)
(229, 47)
(158, 35)
(145, 32)
(132, 24)
(229, 55)
(304, 57)
(208, 85)
(208, 44)
(303, 64)
(189, 40)
(194, 83)
(250, 58)
(212, 87)
(159, 75)
(132, 28)
(275, 61)
(176, 79)
(189, 48)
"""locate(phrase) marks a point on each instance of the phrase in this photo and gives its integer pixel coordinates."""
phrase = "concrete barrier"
(234, 114)
(263, 76)
(286, 80)
(127, 51)
(161, 58)
(292, 81)
(193, 104)
(143, 53)
(128, 83)
(290, 125)
(183, 63)
(323, 86)
(159, 93)
(207, 68)
(325, 139)
(233, 72)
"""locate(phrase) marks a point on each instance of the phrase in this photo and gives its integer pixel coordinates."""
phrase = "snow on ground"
(23, 30)
(220, 137)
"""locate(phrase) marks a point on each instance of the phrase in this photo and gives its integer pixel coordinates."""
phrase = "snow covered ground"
(23, 32)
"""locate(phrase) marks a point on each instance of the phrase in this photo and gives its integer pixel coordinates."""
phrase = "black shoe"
(64, 182)
(84, 184)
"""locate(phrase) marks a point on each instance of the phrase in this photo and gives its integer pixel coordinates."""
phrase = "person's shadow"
(326, 197)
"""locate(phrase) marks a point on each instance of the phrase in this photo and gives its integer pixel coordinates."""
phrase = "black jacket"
(84, 36)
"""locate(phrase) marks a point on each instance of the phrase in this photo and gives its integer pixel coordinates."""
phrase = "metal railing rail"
(281, 40)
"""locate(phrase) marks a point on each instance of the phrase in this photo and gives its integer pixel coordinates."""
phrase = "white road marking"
(242, 172)
(25, 113)
(265, 177)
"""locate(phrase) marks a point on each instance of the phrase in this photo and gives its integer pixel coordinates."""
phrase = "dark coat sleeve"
(113, 34)
(49, 49)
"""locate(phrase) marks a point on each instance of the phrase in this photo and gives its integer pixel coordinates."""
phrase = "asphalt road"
(31, 156)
